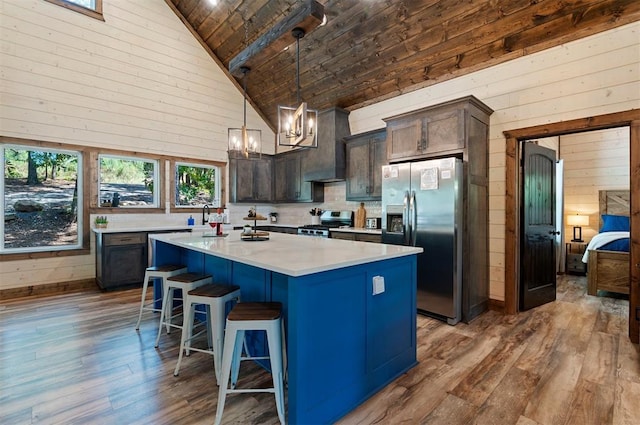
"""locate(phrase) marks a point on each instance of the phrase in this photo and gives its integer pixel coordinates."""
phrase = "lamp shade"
(578, 220)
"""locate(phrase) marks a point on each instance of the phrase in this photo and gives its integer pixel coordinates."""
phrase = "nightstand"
(574, 252)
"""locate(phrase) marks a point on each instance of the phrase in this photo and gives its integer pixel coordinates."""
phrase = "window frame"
(157, 181)
(82, 246)
(91, 194)
(219, 183)
(95, 13)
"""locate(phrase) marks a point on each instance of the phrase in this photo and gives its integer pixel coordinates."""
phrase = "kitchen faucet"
(205, 208)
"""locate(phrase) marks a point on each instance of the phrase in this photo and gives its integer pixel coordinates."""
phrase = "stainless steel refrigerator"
(422, 206)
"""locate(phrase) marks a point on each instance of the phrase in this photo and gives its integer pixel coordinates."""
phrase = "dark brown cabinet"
(458, 128)
(426, 133)
(121, 259)
(289, 185)
(326, 163)
(251, 179)
(574, 254)
(356, 236)
(366, 154)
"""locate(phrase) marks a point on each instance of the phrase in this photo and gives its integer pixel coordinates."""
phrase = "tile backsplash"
(288, 214)
(298, 214)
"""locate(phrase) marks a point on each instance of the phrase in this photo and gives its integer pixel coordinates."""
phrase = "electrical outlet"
(378, 285)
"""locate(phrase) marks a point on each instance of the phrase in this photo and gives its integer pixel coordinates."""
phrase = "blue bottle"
(191, 221)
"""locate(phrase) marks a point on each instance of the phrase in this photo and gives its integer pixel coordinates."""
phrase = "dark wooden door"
(538, 260)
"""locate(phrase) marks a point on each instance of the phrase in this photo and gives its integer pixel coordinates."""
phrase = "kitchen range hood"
(327, 162)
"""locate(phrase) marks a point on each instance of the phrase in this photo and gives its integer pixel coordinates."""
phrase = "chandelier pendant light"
(244, 142)
(297, 125)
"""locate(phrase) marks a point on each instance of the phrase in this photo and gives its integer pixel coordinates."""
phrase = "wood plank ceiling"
(371, 50)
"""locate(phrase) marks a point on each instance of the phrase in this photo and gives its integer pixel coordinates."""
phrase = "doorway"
(512, 207)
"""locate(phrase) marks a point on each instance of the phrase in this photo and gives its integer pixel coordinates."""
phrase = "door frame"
(629, 119)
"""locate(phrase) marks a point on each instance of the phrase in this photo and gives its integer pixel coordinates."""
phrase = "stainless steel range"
(328, 220)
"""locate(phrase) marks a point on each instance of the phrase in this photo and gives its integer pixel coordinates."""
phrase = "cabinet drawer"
(125, 239)
(343, 235)
(369, 238)
(575, 264)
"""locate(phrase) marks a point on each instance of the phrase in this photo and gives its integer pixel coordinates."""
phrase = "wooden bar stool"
(215, 298)
(253, 317)
(185, 282)
(156, 272)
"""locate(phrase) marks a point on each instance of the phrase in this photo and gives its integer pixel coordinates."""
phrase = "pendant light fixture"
(244, 142)
(297, 125)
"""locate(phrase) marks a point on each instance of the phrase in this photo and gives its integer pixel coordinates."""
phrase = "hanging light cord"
(244, 87)
(298, 67)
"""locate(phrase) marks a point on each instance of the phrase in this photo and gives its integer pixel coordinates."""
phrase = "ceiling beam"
(307, 17)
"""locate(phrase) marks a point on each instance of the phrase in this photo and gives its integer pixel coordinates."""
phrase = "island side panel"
(391, 320)
(165, 253)
(345, 343)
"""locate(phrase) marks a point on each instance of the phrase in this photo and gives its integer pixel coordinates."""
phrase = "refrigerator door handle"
(413, 208)
(406, 224)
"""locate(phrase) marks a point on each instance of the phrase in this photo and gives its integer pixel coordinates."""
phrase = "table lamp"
(577, 221)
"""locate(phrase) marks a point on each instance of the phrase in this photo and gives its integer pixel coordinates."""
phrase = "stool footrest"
(253, 390)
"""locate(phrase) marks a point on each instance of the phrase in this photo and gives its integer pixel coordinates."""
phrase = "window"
(42, 199)
(128, 182)
(92, 8)
(197, 185)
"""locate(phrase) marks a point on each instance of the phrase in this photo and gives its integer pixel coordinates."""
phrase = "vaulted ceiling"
(371, 50)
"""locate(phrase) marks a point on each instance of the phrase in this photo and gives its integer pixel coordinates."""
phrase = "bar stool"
(215, 297)
(185, 282)
(156, 272)
(253, 317)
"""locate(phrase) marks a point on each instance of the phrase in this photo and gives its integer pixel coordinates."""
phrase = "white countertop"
(292, 255)
(120, 228)
(357, 230)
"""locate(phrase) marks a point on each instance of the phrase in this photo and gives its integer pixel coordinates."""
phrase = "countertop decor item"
(315, 215)
(361, 216)
(253, 234)
(101, 222)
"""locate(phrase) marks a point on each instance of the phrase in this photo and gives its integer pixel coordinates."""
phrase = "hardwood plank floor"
(77, 358)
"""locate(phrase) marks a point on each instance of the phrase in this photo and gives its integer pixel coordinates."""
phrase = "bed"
(608, 270)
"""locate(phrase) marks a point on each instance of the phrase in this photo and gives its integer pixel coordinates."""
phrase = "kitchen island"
(346, 340)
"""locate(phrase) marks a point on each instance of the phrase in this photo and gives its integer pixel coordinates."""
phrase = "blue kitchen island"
(349, 309)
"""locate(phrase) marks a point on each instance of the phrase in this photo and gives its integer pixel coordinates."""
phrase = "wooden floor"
(76, 359)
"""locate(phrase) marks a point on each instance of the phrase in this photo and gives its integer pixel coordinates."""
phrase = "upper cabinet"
(434, 131)
(326, 163)
(366, 154)
(289, 183)
(251, 179)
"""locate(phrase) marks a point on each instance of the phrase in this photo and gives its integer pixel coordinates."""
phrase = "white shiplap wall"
(137, 81)
(592, 76)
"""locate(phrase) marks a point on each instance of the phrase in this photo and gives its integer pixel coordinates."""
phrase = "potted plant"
(101, 222)
(315, 215)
